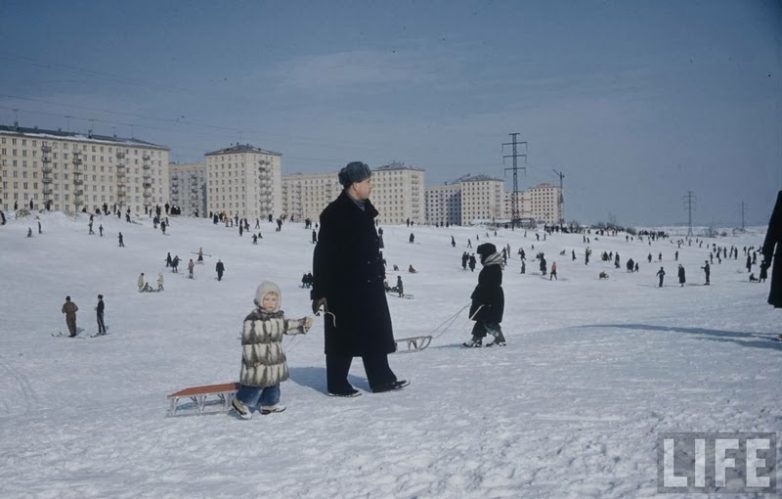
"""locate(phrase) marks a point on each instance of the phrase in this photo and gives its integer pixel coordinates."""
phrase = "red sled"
(201, 400)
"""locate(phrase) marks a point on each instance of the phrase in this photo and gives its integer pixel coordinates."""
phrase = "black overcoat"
(488, 293)
(774, 239)
(348, 271)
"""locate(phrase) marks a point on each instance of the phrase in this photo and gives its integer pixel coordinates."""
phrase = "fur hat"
(265, 288)
(486, 249)
(355, 171)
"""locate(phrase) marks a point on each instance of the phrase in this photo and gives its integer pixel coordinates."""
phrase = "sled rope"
(447, 323)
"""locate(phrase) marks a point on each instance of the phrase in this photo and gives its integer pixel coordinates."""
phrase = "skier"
(488, 299)
(680, 273)
(661, 275)
(100, 308)
(220, 268)
(69, 308)
(707, 271)
(263, 361)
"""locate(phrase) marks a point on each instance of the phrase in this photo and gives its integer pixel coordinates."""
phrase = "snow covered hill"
(593, 372)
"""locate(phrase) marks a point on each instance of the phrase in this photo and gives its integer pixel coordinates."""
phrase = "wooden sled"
(412, 344)
(199, 400)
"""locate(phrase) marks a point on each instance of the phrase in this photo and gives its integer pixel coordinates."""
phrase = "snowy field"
(594, 369)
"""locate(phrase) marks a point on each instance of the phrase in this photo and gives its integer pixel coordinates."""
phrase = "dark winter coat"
(774, 240)
(488, 293)
(348, 271)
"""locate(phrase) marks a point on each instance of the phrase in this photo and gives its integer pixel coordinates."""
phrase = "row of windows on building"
(67, 146)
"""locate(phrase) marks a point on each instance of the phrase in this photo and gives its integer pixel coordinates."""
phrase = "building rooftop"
(397, 166)
(44, 134)
(478, 178)
(241, 149)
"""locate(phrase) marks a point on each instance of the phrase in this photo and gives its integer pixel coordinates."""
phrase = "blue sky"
(636, 102)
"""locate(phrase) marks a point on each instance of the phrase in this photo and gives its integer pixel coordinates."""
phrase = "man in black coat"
(348, 284)
(772, 249)
(488, 299)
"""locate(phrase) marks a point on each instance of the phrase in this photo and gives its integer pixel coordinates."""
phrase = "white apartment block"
(483, 200)
(398, 194)
(73, 172)
(540, 203)
(188, 188)
(444, 204)
(244, 181)
(306, 195)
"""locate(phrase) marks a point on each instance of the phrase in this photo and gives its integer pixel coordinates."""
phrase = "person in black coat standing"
(772, 253)
(348, 280)
(100, 309)
(488, 299)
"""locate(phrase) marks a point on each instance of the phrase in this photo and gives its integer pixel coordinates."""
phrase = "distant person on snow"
(143, 285)
(160, 281)
(219, 268)
(661, 276)
(488, 299)
(69, 309)
(264, 364)
(190, 267)
(707, 271)
(680, 273)
(100, 309)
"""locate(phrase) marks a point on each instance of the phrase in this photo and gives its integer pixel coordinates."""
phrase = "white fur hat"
(265, 288)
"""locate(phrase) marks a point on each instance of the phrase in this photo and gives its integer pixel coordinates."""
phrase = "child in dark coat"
(488, 299)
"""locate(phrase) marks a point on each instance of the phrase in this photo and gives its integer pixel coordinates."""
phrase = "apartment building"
(187, 182)
(305, 195)
(444, 204)
(398, 194)
(244, 181)
(483, 200)
(73, 172)
(540, 203)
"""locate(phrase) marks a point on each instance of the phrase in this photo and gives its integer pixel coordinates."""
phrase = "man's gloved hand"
(319, 303)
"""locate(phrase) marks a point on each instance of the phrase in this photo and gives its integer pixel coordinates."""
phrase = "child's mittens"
(307, 323)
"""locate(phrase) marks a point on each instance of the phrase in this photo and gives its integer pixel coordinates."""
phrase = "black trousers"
(375, 365)
(101, 325)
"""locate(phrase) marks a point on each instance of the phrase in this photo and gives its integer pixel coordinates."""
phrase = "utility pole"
(742, 215)
(561, 200)
(515, 154)
(690, 200)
